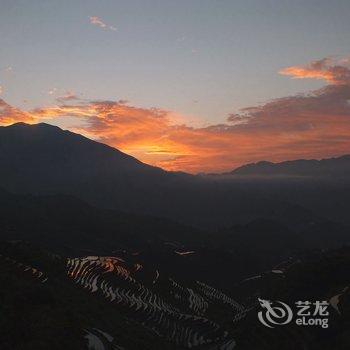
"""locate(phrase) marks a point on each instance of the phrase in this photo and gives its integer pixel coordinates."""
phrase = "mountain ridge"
(21, 126)
(46, 160)
(298, 167)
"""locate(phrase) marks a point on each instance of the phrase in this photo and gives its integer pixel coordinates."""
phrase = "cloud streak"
(96, 21)
(10, 115)
(68, 96)
(322, 69)
(311, 125)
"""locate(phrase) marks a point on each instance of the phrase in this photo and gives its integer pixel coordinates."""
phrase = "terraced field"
(184, 315)
(124, 303)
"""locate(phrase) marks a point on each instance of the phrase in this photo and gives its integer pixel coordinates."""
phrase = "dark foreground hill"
(69, 226)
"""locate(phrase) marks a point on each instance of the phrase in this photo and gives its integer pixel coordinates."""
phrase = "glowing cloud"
(312, 125)
(323, 69)
(10, 115)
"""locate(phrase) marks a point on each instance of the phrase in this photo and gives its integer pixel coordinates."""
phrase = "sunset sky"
(191, 85)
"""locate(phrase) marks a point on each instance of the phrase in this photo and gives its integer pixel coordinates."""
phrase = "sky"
(190, 85)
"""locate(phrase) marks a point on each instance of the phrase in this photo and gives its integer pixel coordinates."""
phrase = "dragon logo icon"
(277, 314)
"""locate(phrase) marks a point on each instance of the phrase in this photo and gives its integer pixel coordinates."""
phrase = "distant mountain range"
(339, 167)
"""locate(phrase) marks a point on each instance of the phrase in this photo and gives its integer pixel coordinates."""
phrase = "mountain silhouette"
(339, 167)
(46, 160)
(42, 158)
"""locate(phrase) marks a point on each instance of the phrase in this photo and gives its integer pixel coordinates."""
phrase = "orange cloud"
(10, 115)
(322, 69)
(312, 125)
